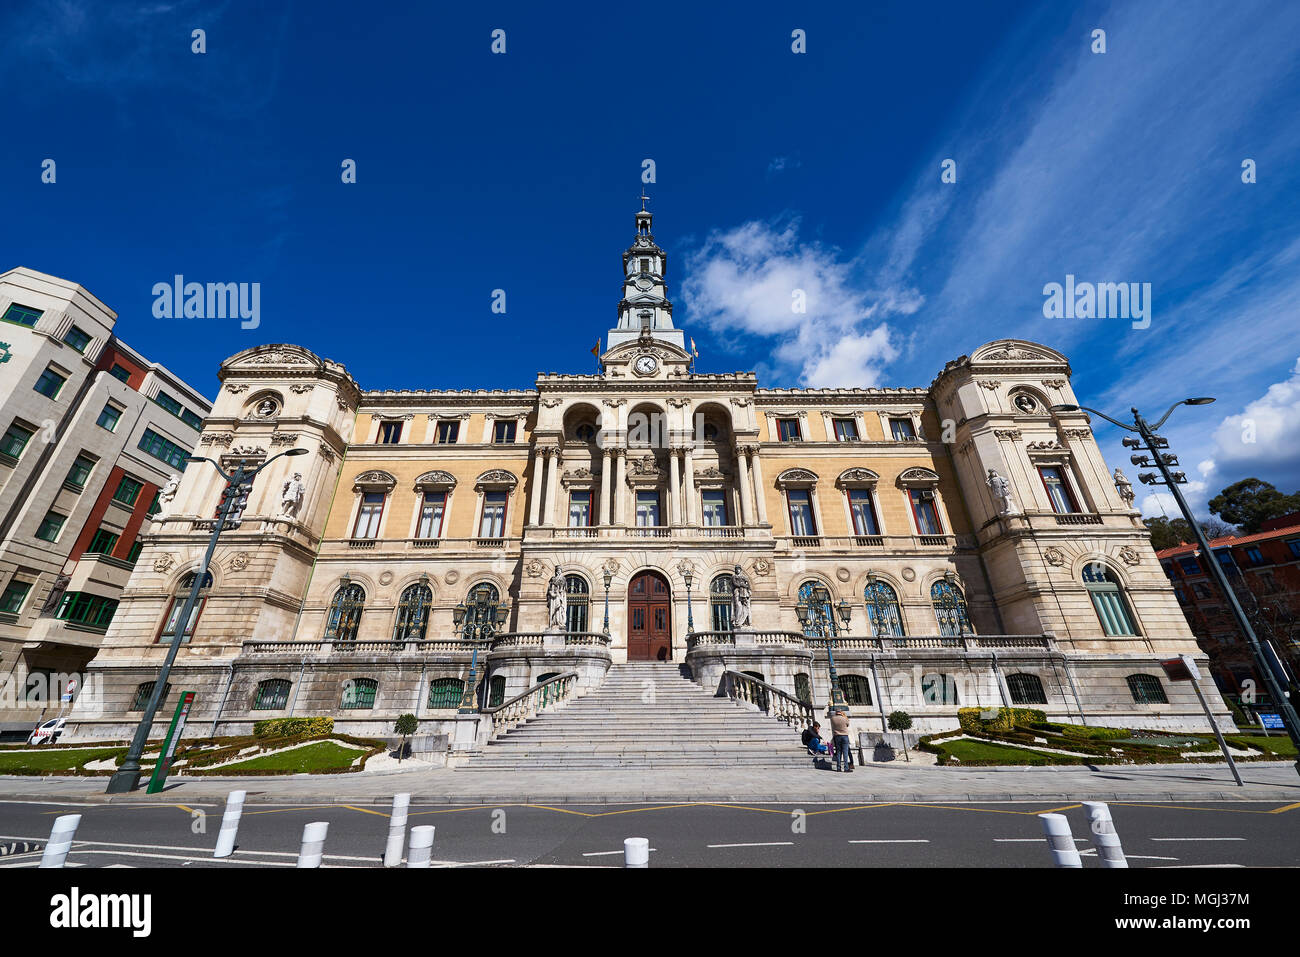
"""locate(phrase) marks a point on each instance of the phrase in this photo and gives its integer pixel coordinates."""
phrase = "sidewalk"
(1275, 781)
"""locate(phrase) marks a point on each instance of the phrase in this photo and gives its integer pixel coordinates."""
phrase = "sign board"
(1271, 721)
(1176, 669)
(173, 738)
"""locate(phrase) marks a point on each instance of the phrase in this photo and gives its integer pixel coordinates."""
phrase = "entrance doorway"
(649, 622)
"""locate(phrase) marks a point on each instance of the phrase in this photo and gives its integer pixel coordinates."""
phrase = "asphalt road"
(691, 835)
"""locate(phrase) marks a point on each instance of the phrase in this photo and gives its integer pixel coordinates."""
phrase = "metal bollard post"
(1104, 838)
(313, 844)
(421, 846)
(636, 852)
(1060, 840)
(397, 830)
(56, 851)
(230, 824)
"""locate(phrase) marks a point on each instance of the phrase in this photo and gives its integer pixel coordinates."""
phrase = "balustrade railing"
(968, 642)
(899, 543)
(705, 638)
(528, 704)
(537, 638)
(768, 698)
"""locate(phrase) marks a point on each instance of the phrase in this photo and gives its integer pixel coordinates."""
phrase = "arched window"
(949, 608)
(1147, 689)
(143, 693)
(883, 612)
(585, 432)
(803, 688)
(577, 603)
(445, 692)
(938, 689)
(345, 613)
(413, 613)
(720, 590)
(478, 600)
(272, 695)
(1026, 689)
(1108, 600)
(856, 688)
(177, 605)
(496, 691)
(359, 694)
(823, 611)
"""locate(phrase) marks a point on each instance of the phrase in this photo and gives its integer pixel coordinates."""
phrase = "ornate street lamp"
(819, 616)
(479, 622)
(609, 577)
(688, 577)
(127, 778)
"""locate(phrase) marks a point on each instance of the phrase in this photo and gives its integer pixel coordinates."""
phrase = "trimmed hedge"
(1006, 719)
(373, 747)
(292, 727)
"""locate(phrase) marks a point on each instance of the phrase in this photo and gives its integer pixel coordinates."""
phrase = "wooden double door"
(649, 618)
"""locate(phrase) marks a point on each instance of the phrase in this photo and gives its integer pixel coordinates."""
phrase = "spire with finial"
(645, 307)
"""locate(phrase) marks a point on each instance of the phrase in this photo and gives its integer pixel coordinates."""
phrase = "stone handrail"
(527, 704)
(701, 638)
(768, 699)
(967, 642)
(512, 639)
(328, 647)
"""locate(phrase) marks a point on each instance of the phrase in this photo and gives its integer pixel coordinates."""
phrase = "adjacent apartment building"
(92, 430)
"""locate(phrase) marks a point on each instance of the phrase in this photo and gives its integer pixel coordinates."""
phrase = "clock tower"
(644, 307)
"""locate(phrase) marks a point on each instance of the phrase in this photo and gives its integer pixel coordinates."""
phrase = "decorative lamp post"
(819, 616)
(127, 777)
(478, 621)
(609, 577)
(688, 576)
(1152, 443)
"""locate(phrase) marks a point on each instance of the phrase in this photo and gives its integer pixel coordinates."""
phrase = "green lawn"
(52, 759)
(321, 756)
(1273, 743)
(982, 752)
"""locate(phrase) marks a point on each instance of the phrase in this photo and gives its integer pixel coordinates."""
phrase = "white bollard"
(313, 844)
(1104, 838)
(397, 830)
(421, 846)
(1060, 840)
(230, 824)
(56, 851)
(636, 852)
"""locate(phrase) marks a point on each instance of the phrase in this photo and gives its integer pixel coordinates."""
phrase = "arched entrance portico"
(649, 618)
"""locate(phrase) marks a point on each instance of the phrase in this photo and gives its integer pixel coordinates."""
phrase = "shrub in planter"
(972, 720)
(292, 727)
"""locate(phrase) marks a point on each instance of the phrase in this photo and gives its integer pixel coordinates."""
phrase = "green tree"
(406, 725)
(1251, 502)
(1170, 532)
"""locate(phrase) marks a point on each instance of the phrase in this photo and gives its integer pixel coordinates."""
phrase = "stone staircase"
(643, 716)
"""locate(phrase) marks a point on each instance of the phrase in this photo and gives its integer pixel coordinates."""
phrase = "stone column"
(620, 487)
(674, 488)
(539, 470)
(692, 506)
(760, 493)
(552, 465)
(746, 490)
(605, 515)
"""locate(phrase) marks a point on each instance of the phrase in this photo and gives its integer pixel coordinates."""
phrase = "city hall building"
(976, 541)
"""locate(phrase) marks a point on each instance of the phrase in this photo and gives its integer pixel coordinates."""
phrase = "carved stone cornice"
(1009, 434)
(856, 477)
(217, 438)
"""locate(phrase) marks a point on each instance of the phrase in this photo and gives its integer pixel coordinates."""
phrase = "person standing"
(840, 740)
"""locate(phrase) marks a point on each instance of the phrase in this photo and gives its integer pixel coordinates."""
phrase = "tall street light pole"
(127, 777)
(1154, 443)
(818, 613)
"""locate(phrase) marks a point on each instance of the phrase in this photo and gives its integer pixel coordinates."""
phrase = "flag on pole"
(596, 351)
(695, 352)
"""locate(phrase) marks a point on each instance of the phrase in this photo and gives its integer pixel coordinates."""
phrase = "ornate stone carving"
(909, 574)
(326, 452)
(375, 477)
(613, 403)
(498, 477)
(643, 466)
(990, 384)
(685, 566)
(1004, 354)
(1054, 556)
(291, 495)
(610, 565)
(247, 451)
(217, 438)
(678, 402)
(451, 577)
(163, 563)
(1047, 445)
(284, 438)
(535, 569)
(236, 388)
(238, 562)
(1078, 433)
(167, 494)
(762, 567)
(299, 388)
(386, 578)
(551, 402)
(1129, 555)
(795, 476)
(278, 359)
(582, 474)
(843, 574)
(741, 403)
(857, 476)
(435, 477)
(1012, 434)
(1054, 383)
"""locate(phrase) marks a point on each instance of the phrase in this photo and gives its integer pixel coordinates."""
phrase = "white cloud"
(1265, 436)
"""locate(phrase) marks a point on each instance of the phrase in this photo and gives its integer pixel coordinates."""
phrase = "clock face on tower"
(645, 365)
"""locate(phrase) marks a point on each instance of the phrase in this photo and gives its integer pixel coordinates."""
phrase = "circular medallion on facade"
(762, 566)
(266, 408)
(909, 574)
(1129, 555)
(535, 568)
(239, 562)
(386, 578)
(1054, 556)
(1026, 403)
(163, 563)
(842, 574)
(645, 364)
(451, 577)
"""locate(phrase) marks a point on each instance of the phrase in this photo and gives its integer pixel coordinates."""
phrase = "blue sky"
(775, 170)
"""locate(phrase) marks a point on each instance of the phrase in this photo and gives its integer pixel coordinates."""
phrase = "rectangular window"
(902, 429)
(390, 433)
(645, 265)
(50, 384)
(863, 511)
(155, 506)
(192, 419)
(372, 509)
(50, 527)
(1191, 565)
(87, 609)
(846, 430)
(801, 512)
(579, 509)
(77, 338)
(432, 510)
(503, 433)
(1294, 545)
(103, 542)
(1254, 555)
(79, 474)
(174, 615)
(647, 509)
(715, 507)
(15, 440)
(15, 593)
(108, 418)
(120, 372)
(448, 432)
(160, 448)
(22, 315)
(787, 430)
(1058, 493)
(924, 511)
(168, 403)
(493, 522)
(128, 490)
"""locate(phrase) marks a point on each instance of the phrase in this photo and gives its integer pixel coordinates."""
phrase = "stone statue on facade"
(1001, 490)
(167, 494)
(291, 496)
(741, 594)
(556, 601)
(1124, 487)
(55, 596)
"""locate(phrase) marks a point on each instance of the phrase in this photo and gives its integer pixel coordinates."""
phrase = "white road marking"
(1031, 840)
(1092, 851)
(606, 853)
(767, 844)
(1198, 838)
(897, 841)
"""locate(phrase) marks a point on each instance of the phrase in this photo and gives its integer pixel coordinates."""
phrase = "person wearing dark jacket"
(812, 739)
(840, 737)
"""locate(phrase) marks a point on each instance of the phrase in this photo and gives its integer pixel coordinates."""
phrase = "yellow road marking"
(1279, 810)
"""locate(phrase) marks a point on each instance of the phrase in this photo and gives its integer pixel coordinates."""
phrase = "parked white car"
(48, 732)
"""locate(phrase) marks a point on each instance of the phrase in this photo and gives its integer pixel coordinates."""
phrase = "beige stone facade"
(648, 471)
